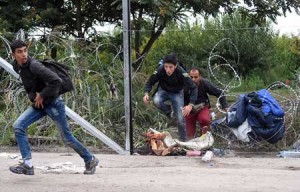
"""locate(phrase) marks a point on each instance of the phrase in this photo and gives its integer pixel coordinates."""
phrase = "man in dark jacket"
(172, 79)
(42, 86)
(201, 112)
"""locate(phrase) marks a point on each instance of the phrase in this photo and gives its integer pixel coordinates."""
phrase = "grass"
(144, 118)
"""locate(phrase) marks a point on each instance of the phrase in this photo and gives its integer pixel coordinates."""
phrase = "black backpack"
(63, 71)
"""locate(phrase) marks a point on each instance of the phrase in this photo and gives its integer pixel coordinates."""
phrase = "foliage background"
(258, 55)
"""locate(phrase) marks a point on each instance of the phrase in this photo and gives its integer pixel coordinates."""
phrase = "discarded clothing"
(242, 131)
(200, 143)
(161, 143)
(263, 113)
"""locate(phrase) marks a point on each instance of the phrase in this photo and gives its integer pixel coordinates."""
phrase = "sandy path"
(63, 172)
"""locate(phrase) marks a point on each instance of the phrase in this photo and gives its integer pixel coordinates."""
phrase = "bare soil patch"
(63, 171)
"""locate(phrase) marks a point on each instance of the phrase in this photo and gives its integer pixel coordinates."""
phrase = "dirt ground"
(63, 172)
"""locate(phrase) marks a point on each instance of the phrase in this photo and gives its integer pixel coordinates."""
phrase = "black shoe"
(90, 167)
(22, 168)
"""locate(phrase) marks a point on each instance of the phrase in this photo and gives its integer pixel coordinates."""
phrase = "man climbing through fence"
(201, 112)
(172, 79)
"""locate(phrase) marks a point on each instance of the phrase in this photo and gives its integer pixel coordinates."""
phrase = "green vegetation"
(257, 55)
(148, 18)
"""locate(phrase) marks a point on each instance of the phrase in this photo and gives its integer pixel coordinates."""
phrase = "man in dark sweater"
(172, 80)
(201, 112)
(43, 88)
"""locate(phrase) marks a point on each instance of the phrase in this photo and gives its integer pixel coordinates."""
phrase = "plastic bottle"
(213, 115)
(290, 154)
(208, 156)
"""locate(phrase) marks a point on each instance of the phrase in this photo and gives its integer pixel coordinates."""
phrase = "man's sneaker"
(90, 167)
(22, 168)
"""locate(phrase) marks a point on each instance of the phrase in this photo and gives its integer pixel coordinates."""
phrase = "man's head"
(195, 74)
(19, 51)
(170, 64)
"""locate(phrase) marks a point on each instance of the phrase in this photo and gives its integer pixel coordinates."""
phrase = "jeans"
(177, 104)
(56, 111)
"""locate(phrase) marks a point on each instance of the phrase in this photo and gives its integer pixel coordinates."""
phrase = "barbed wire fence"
(94, 100)
(220, 73)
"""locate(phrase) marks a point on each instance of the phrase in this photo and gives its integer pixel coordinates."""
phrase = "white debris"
(11, 156)
(208, 156)
(66, 167)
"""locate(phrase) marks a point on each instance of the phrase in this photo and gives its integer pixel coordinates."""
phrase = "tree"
(78, 17)
(15, 15)
(286, 57)
(154, 16)
(248, 49)
(74, 17)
